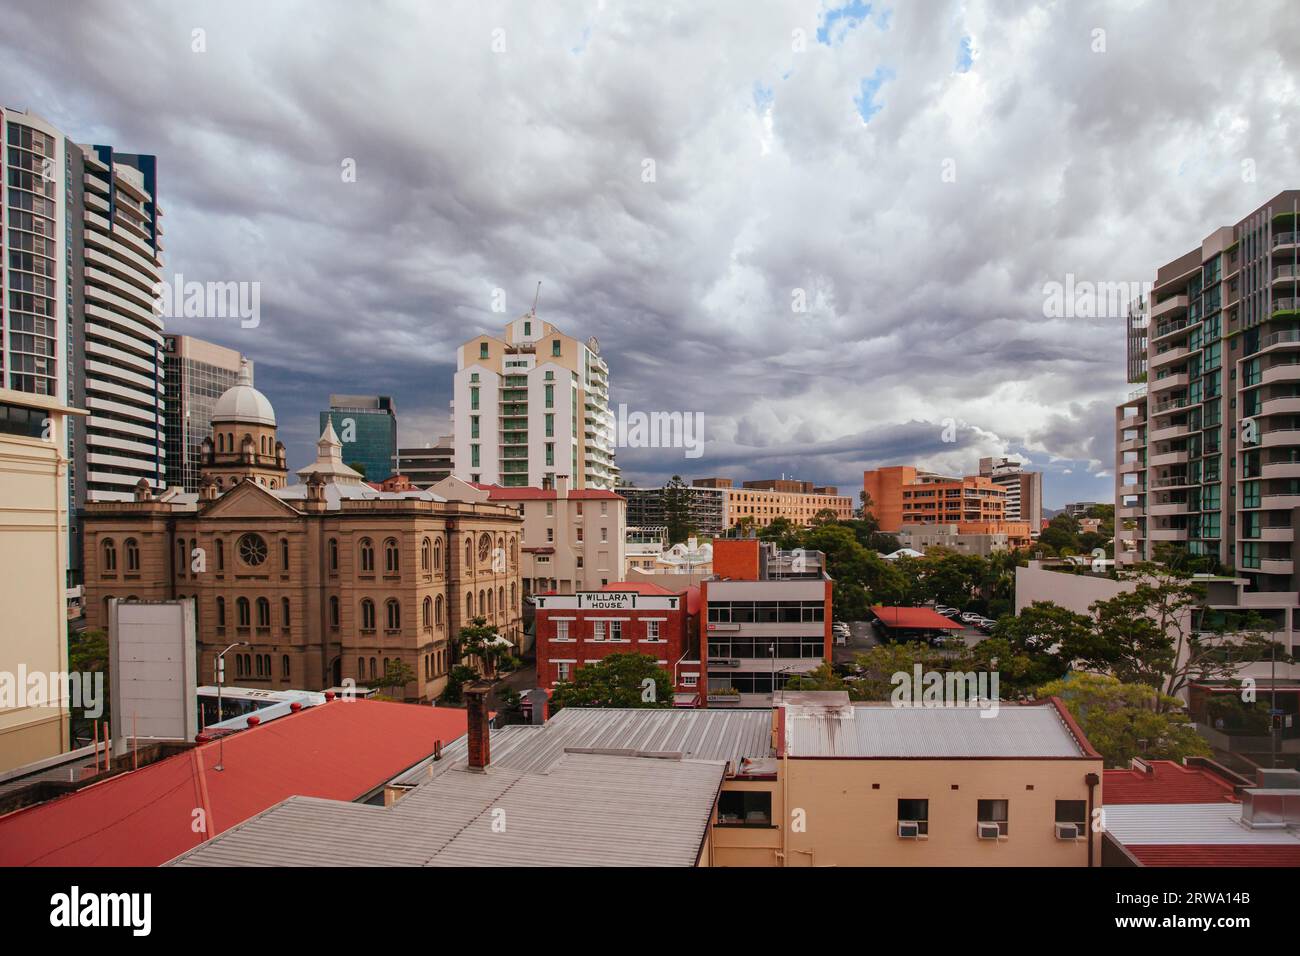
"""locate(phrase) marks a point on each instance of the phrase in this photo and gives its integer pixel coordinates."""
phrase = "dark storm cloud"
(479, 170)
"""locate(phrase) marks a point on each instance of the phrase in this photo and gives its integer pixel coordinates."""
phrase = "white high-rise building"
(82, 251)
(532, 406)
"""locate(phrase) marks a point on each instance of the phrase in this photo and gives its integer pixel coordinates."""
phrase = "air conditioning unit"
(988, 831)
(909, 829)
(1068, 831)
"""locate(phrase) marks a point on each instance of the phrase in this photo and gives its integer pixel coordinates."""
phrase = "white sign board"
(153, 672)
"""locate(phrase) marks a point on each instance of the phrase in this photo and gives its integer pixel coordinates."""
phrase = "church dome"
(243, 403)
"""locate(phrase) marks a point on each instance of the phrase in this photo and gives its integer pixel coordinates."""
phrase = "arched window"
(259, 665)
(243, 613)
(437, 555)
(221, 612)
(514, 597)
(514, 552)
(334, 612)
(284, 666)
(482, 603)
(361, 668)
(334, 554)
(284, 612)
(367, 615)
(221, 554)
(263, 612)
(110, 555)
(393, 613)
(501, 599)
(284, 554)
(469, 554)
(437, 611)
(499, 556)
(491, 601)
(392, 557)
(181, 563)
(426, 615)
(424, 555)
(367, 555)
(239, 665)
(132, 554)
(469, 605)
(373, 672)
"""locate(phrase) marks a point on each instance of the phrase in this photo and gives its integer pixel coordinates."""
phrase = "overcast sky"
(915, 172)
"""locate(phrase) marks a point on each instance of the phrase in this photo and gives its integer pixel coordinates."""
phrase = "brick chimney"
(561, 486)
(477, 732)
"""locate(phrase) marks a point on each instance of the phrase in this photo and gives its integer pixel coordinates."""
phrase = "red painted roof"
(340, 751)
(498, 493)
(1169, 783)
(913, 617)
(1233, 854)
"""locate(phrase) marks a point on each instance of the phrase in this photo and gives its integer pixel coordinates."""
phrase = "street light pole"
(221, 678)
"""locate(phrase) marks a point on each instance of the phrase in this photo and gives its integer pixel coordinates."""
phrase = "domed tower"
(243, 443)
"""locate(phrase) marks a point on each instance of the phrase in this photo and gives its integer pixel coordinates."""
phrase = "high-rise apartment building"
(196, 374)
(1024, 489)
(533, 405)
(1208, 453)
(367, 426)
(82, 254)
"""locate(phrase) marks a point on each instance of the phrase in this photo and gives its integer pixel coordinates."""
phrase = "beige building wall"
(33, 558)
(766, 506)
(851, 811)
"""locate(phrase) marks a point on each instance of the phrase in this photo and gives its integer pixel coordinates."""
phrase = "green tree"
(1034, 647)
(359, 467)
(1123, 721)
(873, 671)
(677, 511)
(397, 674)
(783, 532)
(88, 654)
(459, 676)
(825, 516)
(481, 642)
(619, 680)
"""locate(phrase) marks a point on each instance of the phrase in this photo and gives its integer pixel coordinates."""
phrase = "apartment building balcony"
(1171, 481)
(1277, 534)
(1275, 566)
(1166, 356)
(1279, 373)
(1280, 437)
(1167, 508)
(1166, 432)
(1284, 405)
(1285, 240)
(1137, 465)
(1132, 444)
(1279, 502)
(1279, 340)
(1171, 306)
(1169, 405)
(1131, 512)
(1285, 305)
(1279, 469)
(1168, 383)
(1167, 534)
(1285, 274)
(1177, 456)
(1169, 331)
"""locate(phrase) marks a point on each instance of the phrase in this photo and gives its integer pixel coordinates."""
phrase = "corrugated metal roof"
(882, 730)
(695, 734)
(1198, 824)
(588, 810)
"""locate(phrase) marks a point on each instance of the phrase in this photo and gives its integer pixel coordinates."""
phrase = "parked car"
(970, 617)
(944, 609)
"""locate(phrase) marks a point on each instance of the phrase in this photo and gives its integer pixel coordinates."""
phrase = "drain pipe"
(1092, 780)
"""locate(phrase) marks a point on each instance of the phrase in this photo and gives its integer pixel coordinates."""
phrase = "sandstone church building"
(326, 579)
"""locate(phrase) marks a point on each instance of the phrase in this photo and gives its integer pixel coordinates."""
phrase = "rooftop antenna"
(536, 296)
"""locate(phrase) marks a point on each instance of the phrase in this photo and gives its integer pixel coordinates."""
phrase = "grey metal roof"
(882, 730)
(587, 810)
(1219, 824)
(695, 734)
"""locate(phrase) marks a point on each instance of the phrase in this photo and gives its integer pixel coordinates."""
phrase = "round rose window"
(252, 549)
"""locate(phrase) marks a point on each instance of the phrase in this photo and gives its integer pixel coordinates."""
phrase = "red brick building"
(621, 618)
